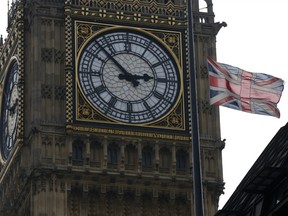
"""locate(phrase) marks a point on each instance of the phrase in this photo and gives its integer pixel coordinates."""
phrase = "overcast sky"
(255, 40)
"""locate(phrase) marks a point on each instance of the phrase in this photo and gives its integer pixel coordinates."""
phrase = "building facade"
(95, 109)
(264, 189)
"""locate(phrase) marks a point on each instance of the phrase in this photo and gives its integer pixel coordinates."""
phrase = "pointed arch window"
(77, 150)
(112, 154)
(147, 155)
(96, 153)
(181, 161)
(165, 160)
(130, 157)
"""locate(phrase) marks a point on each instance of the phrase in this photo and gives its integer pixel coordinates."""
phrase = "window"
(165, 160)
(181, 160)
(96, 151)
(96, 154)
(112, 154)
(130, 155)
(77, 150)
(147, 156)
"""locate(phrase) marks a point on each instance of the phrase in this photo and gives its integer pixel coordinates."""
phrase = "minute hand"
(128, 76)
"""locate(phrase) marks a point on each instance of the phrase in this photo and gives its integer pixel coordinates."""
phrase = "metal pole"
(197, 177)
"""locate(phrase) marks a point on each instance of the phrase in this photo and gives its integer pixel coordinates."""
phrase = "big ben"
(95, 109)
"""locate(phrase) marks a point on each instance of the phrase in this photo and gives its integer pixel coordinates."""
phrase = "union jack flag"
(238, 89)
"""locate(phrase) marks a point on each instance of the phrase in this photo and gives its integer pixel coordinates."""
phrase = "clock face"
(128, 76)
(9, 111)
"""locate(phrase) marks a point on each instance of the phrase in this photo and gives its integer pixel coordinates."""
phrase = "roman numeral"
(160, 63)
(130, 110)
(127, 46)
(146, 48)
(164, 80)
(110, 47)
(129, 107)
(112, 102)
(95, 73)
(148, 108)
(100, 89)
(157, 64)
(158, 95)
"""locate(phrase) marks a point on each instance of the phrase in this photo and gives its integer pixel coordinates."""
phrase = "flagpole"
(197, 178)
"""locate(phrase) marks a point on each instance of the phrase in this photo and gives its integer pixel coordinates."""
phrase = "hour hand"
(145, 77)
(129, 78)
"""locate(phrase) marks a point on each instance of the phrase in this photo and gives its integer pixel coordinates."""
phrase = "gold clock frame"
(85, 114)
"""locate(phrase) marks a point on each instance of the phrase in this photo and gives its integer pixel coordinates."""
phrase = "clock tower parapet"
(101, 155)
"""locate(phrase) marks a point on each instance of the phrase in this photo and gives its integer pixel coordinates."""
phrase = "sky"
(255, 40)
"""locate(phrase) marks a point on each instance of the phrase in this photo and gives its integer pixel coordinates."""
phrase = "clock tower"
(95, 109)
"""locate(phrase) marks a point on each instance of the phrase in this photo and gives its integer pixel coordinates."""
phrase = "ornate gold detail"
(136, 6)
(153, 9)
(85, 11)
(84, 31)
(171, 8)
(154, 19)
(173, 41)
(175, 119)
(68, 68)
(102, 3)
(119, 5)
(86, 113)
(137, 17)
(120, 15)
(171, 20)
(114, 132)
(84, 2)
(102, 13)
(69, 98)
(135, 11)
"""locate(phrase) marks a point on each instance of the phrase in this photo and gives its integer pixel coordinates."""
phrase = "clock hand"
(145, 77)
(126, 75)
(129, 78)
(134, 78)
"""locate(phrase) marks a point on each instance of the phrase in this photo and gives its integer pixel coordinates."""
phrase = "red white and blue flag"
(238, 89)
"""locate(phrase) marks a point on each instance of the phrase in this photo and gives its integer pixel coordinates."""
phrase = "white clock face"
(9, 111)
(119, 87)
(128, 76)
(13, 108)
